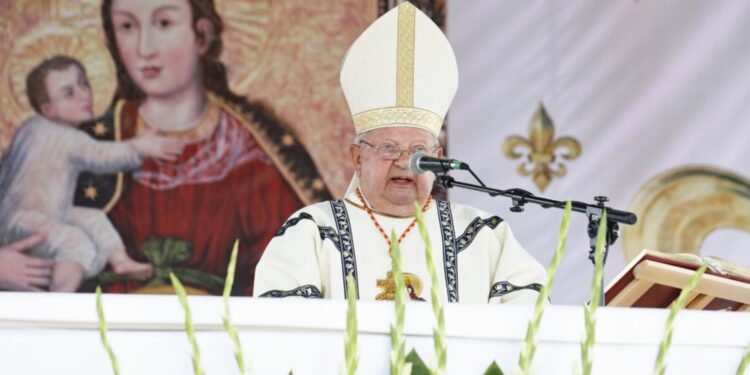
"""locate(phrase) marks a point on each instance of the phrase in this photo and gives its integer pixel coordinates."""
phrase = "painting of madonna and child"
(142, 137)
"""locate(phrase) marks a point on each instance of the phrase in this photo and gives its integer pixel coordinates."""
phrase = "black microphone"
(420, 163)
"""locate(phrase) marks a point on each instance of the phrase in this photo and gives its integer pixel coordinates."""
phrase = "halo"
(47, 40)
(247, 38)
(680, 207)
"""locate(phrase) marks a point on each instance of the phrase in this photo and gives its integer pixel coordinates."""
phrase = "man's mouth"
(402, 180)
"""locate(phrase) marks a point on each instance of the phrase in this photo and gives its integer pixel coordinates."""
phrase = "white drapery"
(645, 86)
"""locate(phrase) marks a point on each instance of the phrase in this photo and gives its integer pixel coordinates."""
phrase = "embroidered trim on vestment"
(464, 240)
(502, 288)
(346, 243)
(450, 255)
(306, 291)
(292, 222)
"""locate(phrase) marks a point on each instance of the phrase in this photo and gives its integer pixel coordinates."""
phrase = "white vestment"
(476, 257)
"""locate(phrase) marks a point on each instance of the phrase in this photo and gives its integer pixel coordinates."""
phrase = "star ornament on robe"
(99, 129)
(90, 192)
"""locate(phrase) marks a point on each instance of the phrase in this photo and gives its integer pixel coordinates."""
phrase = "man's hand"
(151, 145)
(20, 272)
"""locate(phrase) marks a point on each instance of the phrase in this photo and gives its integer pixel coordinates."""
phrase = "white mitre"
(400, 72)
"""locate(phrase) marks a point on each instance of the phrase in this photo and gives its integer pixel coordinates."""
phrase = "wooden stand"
(655, 279)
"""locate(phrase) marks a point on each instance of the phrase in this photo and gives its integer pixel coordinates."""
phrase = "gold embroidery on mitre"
(405, 56)
(412, 283)
(407, 116)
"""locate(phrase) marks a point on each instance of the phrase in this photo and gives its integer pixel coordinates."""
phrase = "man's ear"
(205, 34)
(48, 110)
(439, 152)
(356, 155)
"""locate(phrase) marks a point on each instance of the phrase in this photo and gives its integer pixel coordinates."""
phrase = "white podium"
(58, 334)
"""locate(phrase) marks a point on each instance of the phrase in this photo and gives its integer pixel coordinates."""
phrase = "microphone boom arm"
(520, 197)
(594, 212)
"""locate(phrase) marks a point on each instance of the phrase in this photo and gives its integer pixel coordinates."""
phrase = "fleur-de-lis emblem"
(542, 150)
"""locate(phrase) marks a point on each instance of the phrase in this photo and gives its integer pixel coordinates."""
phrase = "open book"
(654, 279)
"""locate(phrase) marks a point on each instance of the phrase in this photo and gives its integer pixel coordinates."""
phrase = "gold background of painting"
(283, 54)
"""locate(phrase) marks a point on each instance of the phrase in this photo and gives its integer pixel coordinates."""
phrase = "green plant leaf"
(398, 346)
(660, 366)
(351, 353)
(744, 362)
(417, 365)
(438, 336)
(103, 331)
(589, 311)
(231, 330)
(494, 369)
(189, 328)
(526, 356)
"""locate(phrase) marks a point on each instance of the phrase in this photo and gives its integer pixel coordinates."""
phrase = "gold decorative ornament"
(541, 150)
(100, 129)
(412, 282)
(90, 192)
(161, 289)
(374, 118)
(680, 207)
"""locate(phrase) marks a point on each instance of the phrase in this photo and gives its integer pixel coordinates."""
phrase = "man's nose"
(403, 158)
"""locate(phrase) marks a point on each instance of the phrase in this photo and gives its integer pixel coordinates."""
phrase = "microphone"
(420, 163)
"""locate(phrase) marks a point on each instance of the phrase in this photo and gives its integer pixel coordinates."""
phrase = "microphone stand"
(593, 211)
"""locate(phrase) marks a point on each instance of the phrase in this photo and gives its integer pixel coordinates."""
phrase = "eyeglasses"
(390, 151)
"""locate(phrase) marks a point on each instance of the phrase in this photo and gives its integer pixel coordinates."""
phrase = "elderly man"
(399, 78)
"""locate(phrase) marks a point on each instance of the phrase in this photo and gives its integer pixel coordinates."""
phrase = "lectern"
(654, 279)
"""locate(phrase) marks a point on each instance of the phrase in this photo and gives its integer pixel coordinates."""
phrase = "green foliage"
(351, 354)
(745, 360)
(589, 311)
(182, 296)
(238, 356)
(526, 356)
(168, 255)
(494, 369)
(677, 305)
(398, 344)
(417, 365)
(441, 352)
(103, 331)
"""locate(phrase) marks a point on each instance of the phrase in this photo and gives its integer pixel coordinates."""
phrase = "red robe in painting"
(223, 187)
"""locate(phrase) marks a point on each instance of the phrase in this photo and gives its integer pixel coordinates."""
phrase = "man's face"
(388, 185)
(70, 101)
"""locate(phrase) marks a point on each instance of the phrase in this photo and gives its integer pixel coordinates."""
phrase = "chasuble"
(476, 256)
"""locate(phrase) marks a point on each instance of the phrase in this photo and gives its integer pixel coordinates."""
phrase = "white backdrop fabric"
(645, 86)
